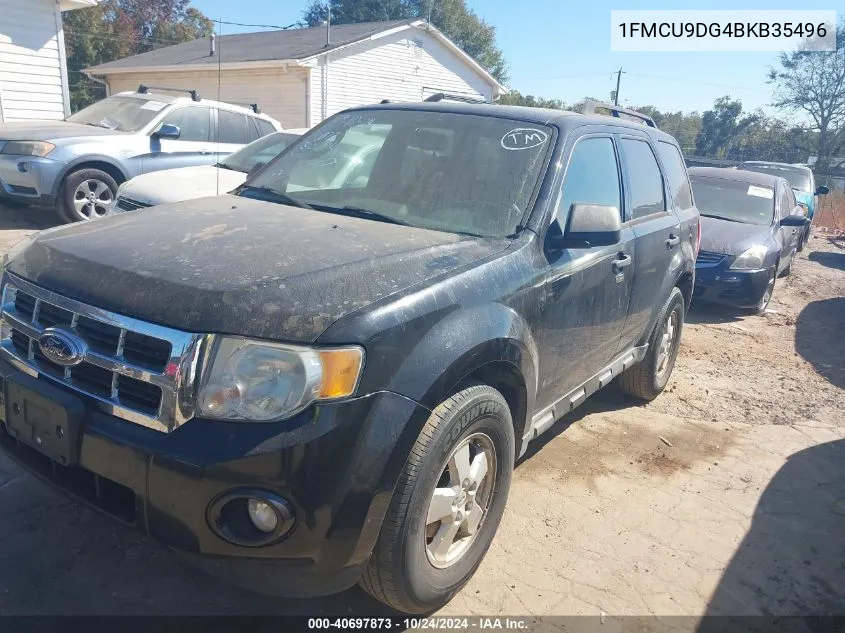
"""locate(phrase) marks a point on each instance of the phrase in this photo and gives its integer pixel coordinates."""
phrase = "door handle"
(673, 240)
(622, 262)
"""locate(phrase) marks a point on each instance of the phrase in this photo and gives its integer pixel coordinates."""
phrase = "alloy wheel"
(667, 342)
(460, 500)
(92, 199)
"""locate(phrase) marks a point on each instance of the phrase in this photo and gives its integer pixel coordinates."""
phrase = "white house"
(33, 69)
(302, 76)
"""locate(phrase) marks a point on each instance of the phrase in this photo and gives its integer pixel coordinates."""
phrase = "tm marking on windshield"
(524, 138)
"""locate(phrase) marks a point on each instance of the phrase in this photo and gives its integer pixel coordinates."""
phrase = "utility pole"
(616, 94)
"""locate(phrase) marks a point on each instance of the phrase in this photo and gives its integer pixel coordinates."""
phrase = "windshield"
(445, 171)
(126, 114)
(798, 178)
(734, 200)
(258, 152)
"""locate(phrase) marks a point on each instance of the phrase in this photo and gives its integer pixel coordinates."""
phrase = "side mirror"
(795, 220)
(822, 190)
(589, 225)
(168, 131)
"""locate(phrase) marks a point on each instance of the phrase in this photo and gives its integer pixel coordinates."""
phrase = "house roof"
(70, 5)
(272, 46)
(293, 44)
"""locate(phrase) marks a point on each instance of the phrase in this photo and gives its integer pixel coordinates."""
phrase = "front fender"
(88, 158)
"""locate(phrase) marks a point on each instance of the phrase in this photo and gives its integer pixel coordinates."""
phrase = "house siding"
(405, 66)
(280, 93)
(32, 83)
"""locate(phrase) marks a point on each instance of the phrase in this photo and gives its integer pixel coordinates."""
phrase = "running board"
(546, 418)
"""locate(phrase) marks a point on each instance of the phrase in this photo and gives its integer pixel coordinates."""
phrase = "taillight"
(698, 239)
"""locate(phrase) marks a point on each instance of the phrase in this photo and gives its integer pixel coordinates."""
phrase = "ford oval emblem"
(61, 347)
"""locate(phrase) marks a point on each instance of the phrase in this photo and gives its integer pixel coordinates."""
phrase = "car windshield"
(126, 114)
(258, 152)
(734, 200)
(438, 170)
(797, 177)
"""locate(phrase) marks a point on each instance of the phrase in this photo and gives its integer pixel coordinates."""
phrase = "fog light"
(23, 167)
(262, 515)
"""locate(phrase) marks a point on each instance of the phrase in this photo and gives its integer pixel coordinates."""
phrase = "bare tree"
(813, 82)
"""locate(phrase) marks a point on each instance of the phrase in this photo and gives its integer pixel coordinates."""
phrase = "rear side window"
(592, 176)
(194, 123)
(644, 179)
(676, 174)
(264, 127)
(233, 127)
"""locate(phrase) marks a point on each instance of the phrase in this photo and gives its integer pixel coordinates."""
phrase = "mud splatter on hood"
(233, 265)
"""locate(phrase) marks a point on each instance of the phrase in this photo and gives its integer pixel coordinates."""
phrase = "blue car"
(751, 228)
(800, 178)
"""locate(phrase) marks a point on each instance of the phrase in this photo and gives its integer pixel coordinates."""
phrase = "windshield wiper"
(229, 167)
(271, 195)
(102, 125)
(720, 217)
(357, 212)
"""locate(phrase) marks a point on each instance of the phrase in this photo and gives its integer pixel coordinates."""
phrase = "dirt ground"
(726, 495)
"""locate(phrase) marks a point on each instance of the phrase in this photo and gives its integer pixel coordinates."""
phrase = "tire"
(788, 270)
(646, 380)
(404, 572)
(804, 239)
(767, 295)
(100, 189)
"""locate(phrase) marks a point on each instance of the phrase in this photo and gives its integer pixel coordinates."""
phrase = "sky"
(561, 49)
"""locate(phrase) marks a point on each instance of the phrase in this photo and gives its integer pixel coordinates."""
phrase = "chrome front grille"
(128, 204)
(709, 259)
(138, 371)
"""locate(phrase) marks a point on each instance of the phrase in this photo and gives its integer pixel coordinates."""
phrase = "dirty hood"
(49, 131)
(239, 266)
(731, 238)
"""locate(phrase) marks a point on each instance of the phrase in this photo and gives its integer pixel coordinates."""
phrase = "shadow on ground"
(819, 338)
(831, 260)
(711, 313)
(603, 401)
(792, 560)
(26, 218)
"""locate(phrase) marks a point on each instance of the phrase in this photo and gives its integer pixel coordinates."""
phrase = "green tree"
(119, 28)
(457, 21)
(721, 127)
(516, 98)
(813, 82)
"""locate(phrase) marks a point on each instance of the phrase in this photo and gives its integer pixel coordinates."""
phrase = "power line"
(259, 26)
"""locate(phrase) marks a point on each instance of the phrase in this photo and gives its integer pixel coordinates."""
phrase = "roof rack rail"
(195, 96)
(445, 96)
(596, 107)
(252, 106)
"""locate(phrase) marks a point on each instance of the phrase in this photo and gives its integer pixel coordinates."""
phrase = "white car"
(187, 183)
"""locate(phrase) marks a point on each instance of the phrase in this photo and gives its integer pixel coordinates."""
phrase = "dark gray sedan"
(751, 225)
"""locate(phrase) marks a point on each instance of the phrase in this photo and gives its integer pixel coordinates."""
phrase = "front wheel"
(763, 304)
(87, 194)
(647, 379)
(447, 505)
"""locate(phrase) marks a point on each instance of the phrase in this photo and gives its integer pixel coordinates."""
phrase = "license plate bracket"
(44, 418)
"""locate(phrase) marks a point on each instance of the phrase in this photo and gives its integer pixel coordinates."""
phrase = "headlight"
(258, 381)
(752, 259)
(28, 148)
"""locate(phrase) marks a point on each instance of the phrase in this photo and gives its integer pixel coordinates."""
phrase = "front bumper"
(335, 464)
(736, 288)
(29, 179)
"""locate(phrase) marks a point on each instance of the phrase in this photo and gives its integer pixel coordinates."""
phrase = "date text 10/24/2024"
(417, 624)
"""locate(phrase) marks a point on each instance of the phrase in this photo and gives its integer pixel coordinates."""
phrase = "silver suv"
(76, 165)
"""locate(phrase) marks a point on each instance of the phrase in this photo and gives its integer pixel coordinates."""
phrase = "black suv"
(327, 377)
